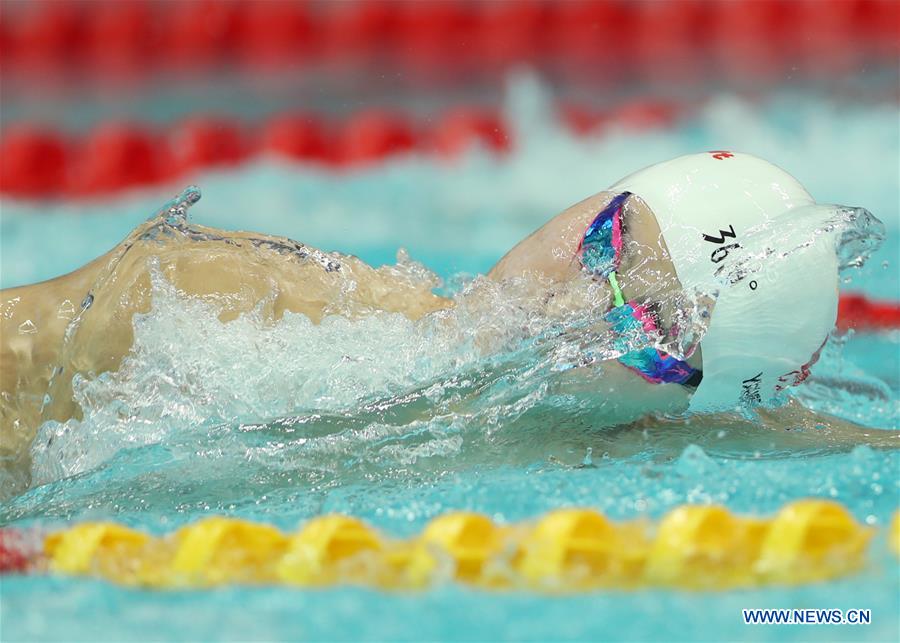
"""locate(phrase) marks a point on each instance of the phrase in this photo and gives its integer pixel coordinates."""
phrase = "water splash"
(361, 395)
(517, 391)
(175, 212)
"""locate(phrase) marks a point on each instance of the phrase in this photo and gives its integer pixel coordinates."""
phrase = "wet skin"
(240, 272)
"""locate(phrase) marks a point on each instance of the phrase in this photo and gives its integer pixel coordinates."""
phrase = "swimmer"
(624, 257)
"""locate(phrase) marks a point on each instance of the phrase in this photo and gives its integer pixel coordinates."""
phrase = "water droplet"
(176, 210)
(88, 300)
(27, 327)
(66, 310)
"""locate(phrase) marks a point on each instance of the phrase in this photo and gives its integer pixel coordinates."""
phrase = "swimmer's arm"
(793, 424)
(823, 427)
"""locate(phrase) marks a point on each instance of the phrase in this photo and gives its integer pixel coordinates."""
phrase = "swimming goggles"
(600, 253)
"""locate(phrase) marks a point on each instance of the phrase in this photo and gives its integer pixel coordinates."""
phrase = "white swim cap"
(778, 289)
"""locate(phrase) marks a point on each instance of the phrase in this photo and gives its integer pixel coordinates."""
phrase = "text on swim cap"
(719, 254)
(798, 376)
(751, 389)
(722, 234)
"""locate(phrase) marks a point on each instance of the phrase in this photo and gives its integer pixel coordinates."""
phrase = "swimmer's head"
(728, 225)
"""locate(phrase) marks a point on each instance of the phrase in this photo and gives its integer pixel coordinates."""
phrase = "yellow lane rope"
(692, 547)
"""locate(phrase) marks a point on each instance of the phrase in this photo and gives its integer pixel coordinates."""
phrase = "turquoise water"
(232, 455)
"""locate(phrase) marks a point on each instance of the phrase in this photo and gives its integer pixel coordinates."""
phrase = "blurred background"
(450, 127)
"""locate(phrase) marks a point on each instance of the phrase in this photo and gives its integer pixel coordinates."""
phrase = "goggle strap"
(617, 292)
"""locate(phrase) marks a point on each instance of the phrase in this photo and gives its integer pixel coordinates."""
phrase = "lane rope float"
(705, 548)
(40, 162)
(439, 41)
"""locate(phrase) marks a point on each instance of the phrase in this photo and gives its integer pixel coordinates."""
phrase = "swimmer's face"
(550, 253)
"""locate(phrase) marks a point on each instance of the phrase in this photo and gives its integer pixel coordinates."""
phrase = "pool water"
(229, 454)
